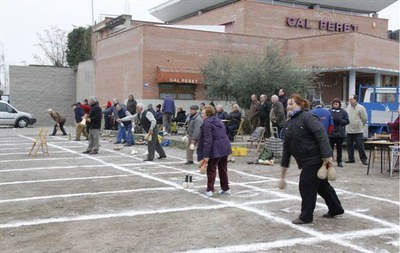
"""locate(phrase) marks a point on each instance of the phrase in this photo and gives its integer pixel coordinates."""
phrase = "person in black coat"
(235, 117)
(265, 109)
(94, 124)
(338, 135)
(307, 141)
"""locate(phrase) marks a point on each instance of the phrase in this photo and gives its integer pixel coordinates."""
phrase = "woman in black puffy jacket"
(338, 135)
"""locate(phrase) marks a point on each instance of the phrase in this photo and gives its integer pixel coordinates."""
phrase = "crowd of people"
(310, 136)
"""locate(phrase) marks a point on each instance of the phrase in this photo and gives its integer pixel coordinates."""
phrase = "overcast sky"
(21, 20)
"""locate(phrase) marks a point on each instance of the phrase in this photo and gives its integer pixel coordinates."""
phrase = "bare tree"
(54, 45)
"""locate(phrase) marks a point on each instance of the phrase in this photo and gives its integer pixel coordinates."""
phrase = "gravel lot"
(114, 202)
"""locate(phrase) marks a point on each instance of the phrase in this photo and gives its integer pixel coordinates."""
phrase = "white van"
(9, 115)
(381, 95)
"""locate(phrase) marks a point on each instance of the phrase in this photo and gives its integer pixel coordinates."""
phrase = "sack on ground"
(266, 154)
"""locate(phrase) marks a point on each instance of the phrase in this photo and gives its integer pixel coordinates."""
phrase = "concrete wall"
(85, 82)
(34, 89)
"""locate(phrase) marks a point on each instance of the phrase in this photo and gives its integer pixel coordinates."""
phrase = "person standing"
(358, 118)
(80, 128)
(277, 114)
(131, 105)
(254, 112)
(193, 131)
(265, 109)
(307, 141)
(283, 99)
(149, 124)
(323, 115)
(337, 136)
(168, 110)
(94, 124)
(214, 147)
(60, 121)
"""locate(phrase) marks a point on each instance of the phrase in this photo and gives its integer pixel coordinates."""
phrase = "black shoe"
(86, 152)
(52, 135)
(364, 162)
(147, 160)
(329, 215)
(161, 157)
(65, 134)
(350, 161)
(340, 164)
(189, 162)
(299, 221)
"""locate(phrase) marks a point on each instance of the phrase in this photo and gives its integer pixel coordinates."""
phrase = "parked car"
(9, 115)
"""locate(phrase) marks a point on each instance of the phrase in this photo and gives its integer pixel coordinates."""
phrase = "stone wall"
(85, 85)
(34, 89)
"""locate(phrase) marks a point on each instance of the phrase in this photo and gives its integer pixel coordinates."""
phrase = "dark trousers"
(265, 123)
(278, 127)
(309, 186)
(154, 145)
(61, 128)
(358, 139)
(230, 130)
(222, 164)
(339, 143)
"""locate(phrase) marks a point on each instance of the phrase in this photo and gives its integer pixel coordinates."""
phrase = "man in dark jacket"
(235, 117)
(277, 114)
(131, 105)
(265, 108)
(168, 110)
(283, 99)
(94, 124)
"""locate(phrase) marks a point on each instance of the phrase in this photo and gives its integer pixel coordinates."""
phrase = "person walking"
(149, 124)
(80, 127)
(214, 147)
(337, 136)
(254, 112)
(60, 121)
(277, 115)
(307, 141)
(193, 131)
(168, 110)
(358, 118)
(93, 120)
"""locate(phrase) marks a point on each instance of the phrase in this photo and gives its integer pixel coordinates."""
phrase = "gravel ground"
(114, 202)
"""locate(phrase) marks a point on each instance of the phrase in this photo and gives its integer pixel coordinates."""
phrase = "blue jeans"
(130, 140)
(121, 133)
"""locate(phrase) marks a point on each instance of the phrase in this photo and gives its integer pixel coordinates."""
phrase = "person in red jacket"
(394, 128)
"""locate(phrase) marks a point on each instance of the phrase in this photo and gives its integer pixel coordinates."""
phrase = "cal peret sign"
(322, 25)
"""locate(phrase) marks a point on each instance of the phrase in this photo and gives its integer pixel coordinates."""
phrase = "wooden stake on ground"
(40, 142)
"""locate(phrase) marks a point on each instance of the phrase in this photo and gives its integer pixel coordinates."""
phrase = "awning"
(179, 75)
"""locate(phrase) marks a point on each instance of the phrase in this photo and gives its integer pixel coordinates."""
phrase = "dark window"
(178, 91)
(3, 107)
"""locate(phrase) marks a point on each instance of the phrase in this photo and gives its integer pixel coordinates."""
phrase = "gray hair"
(93, 98)
(274, 98)
(140, 105)
(237, 106)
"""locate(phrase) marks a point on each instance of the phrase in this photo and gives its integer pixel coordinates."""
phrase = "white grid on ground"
(131, 169)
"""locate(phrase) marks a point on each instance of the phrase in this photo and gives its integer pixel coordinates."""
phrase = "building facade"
(343, 42)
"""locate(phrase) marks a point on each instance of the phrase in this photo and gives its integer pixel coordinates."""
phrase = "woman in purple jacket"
(214, 147)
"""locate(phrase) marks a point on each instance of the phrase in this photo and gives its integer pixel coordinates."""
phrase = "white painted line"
(56, 168)
(64, 196)
(166, 173)
(106, 216)
(26, 153)
(61, 179)
(47, 159)
(255, 247)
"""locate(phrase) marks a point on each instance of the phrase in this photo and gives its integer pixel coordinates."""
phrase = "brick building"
(344, 40)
